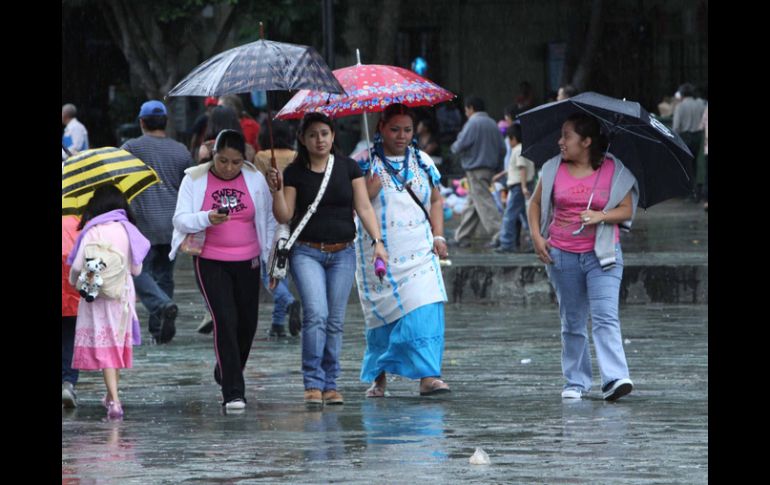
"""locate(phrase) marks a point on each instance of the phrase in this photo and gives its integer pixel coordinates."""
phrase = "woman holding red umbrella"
(404, 309)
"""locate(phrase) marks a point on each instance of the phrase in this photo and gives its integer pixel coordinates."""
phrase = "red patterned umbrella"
(370, 88)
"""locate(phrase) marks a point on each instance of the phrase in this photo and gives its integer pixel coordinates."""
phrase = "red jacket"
(250, 132)
(69, 297)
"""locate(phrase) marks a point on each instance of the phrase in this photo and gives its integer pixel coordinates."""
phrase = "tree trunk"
(152, 48)
(583, 72)
(387, 31)
(149, 61)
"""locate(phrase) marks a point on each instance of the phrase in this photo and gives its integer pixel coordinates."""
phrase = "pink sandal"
(115, 410)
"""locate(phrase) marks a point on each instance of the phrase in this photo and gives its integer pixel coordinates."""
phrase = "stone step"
(520, 279)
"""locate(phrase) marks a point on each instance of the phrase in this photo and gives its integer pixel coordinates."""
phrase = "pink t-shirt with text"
(570, 198)
(236, 239)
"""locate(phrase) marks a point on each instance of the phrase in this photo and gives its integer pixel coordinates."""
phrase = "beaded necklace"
(378, 151)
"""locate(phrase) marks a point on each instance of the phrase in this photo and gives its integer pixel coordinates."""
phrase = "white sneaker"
(68, 397)
(617, 389)
(571, 393)
(207, 324)
(235, 405)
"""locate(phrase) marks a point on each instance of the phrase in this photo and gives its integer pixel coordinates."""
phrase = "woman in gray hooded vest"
(585, 195)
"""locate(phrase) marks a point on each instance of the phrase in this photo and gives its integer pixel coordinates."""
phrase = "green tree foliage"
(153, 35)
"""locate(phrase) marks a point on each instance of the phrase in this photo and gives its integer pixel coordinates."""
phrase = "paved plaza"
(502, 362)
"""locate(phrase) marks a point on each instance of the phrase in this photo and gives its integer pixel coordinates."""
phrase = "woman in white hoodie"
(226, 204)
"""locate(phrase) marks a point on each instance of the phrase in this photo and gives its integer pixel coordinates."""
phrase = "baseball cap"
(152, 108)
(211, 101)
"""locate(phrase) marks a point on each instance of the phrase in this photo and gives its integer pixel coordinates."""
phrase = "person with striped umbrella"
(88, 170)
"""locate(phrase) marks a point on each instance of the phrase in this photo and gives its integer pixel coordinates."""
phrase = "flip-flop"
(434, 390)
(376, 391)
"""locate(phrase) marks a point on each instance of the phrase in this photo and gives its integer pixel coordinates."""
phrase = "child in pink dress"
(107, 327)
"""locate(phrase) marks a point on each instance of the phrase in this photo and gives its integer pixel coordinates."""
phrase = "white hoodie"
(189, 218)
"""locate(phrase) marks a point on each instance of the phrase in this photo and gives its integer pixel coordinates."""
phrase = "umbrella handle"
(270, 131)
(269, 116)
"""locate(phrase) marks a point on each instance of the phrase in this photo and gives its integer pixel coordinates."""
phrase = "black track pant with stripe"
(231, 291)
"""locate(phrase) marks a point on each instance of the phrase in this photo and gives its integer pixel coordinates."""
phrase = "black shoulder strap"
(412, 194)
(419, 204)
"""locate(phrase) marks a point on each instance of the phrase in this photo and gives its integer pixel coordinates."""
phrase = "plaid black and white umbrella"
(89, 169)
(263, 65)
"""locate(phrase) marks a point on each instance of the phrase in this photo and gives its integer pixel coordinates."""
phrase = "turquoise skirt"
(412, 346)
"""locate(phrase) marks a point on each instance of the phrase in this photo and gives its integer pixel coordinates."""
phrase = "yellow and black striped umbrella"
(89, 169)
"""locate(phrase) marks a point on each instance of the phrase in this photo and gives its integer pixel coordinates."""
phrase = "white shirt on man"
(75, 137)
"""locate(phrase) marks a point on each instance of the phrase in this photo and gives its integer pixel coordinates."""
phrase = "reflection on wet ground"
(176, 432)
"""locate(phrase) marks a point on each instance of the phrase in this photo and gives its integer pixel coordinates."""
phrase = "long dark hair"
(234, 102)
(105, 199)
(221, 118)
(588, 126)
(303, 156)
(281, 136)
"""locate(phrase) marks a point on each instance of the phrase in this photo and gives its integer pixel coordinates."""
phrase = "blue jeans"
(498, 200)
(324, 281)
(514, 217)
(67, 349)
(282, 297)
(582, 288)
(155, 285)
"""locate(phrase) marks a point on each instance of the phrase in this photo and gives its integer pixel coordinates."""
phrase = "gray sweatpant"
(481, 206)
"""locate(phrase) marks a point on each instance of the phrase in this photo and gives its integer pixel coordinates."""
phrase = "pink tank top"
(236, 239)
(570, 198)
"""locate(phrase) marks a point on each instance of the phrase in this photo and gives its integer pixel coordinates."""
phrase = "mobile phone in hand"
(223, 210)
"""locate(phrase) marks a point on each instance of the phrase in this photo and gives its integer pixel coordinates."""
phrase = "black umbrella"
(264, 65)
(658, 158)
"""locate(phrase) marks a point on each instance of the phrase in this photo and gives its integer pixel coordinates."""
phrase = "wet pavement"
(176, 432)
(501, 360)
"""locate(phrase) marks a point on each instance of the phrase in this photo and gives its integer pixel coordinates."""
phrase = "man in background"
(154, 211)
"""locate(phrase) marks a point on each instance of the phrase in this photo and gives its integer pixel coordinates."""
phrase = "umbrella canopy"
(658, 158)
(262, 65)
(89, 169)
(370, 88)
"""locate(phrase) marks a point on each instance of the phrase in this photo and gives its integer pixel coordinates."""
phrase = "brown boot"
(313, 396)
(332, 397)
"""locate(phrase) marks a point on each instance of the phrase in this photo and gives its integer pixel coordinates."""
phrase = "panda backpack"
(106, 264)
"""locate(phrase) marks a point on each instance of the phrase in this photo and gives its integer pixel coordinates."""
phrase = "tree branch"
(127, 46)
(227, 26)
(387, 30)
(583, 71)
(143, 41)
